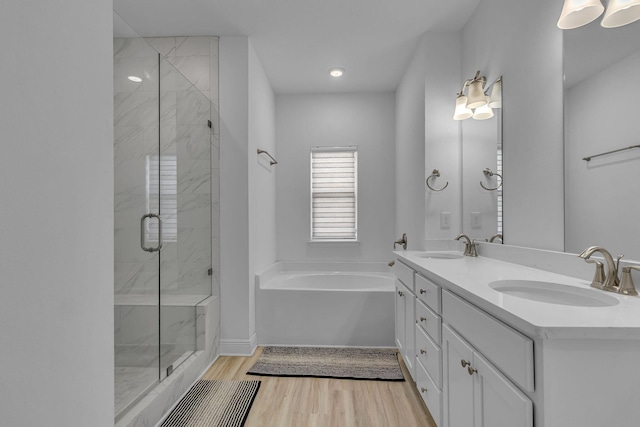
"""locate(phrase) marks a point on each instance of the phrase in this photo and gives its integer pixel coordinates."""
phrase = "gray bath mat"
(327, 362)
(214, 403)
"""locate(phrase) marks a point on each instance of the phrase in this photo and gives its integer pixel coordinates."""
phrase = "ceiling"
(297, 41)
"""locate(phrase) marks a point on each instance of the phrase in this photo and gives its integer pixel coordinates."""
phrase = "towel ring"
(489, 172)
(435, 173)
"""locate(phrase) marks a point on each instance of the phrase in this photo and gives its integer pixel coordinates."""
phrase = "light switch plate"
(445, 220)
(476, 220)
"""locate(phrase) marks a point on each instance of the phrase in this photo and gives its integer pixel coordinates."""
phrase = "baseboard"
(231, 347)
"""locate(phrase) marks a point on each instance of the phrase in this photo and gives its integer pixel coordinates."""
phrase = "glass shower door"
(185, 208)
(136, 271)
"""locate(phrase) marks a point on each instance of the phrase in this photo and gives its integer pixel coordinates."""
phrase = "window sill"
(341, 243)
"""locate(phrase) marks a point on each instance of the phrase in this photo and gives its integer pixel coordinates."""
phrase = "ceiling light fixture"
(576, 13)
(336, 72)
(135, 79)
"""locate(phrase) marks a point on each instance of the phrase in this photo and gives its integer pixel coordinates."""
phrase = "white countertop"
(469, 277)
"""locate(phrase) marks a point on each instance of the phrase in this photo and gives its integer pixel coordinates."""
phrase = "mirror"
(482, 175)
(601, 92)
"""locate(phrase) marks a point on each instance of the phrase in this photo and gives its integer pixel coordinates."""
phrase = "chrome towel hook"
(435, 173)
(489, 172)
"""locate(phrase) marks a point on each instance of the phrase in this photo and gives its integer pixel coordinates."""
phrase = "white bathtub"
(326, 304)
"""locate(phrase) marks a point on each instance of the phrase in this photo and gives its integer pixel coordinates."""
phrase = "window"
(334, 194)
(162, 192)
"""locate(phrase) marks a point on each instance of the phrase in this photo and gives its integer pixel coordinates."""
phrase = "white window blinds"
(334, 194)
(162, 196)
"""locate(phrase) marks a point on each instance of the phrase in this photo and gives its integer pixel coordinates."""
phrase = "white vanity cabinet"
(419, 334)
(483, 358)
(476, 393)
(428, 329)
(405, 315)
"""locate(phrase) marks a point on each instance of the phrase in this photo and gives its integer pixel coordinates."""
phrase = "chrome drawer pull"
(423, 351)
(423, 319)
(401, 293)
(422, 291)
(464, 363)
(471, 370)
(423, 390)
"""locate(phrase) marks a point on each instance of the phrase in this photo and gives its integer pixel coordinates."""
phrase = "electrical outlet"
(445, 220)
(476, 220)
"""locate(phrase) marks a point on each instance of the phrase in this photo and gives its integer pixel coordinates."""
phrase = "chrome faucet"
(401, 241)
(627, 287)
(494, 237)
(611, 281)
(469, 245)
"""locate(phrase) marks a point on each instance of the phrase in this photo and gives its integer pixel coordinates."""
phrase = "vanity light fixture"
(495, 100)
(477, 99)
(135, 79)
(483, 113)
(462, 112)
(576, 13)
(336, 72)
(475, 95)
(621, 12)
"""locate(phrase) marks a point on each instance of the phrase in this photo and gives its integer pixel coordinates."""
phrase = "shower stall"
(166, 200)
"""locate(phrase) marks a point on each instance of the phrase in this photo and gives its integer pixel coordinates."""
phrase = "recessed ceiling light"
(135, 79)
(336, 72)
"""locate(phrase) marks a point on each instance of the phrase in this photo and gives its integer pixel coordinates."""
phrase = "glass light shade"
(462, 112)
(495, 100)
(476, 96)
(577, 13)
(621, 12)
(483, 113)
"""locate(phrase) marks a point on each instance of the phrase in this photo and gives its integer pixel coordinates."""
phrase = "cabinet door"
(458, 387)
(410, 332)
(498, 402)
(400, 316)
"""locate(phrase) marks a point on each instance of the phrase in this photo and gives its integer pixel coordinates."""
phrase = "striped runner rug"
(330, 362)
(214, 403)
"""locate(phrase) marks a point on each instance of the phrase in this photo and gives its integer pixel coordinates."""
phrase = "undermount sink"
(439, 255)
(553, 293)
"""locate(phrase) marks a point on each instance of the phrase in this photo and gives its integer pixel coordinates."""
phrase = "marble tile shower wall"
(183, 117)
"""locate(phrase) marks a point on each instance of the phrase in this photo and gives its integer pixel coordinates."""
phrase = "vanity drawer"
(429, 354)
(505, 347)
(429, 321)
(431, 394)
(404, 274)
(428, 292)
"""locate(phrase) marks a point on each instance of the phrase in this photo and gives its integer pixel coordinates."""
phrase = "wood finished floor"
(326, 402)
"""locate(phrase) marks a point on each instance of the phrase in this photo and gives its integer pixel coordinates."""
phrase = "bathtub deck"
(321, 402)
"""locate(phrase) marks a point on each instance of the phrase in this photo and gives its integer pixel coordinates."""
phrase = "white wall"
(262, 176)
(365, 120)
(234, 195)
(592, 202)
(56, 220)
(247, 189)
(262, 202)
(410, 151)
(520, 41)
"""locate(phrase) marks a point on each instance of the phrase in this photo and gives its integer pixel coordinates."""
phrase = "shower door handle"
(142, 233)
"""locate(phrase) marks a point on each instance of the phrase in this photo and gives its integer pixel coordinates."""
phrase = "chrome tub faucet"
(401, 241)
